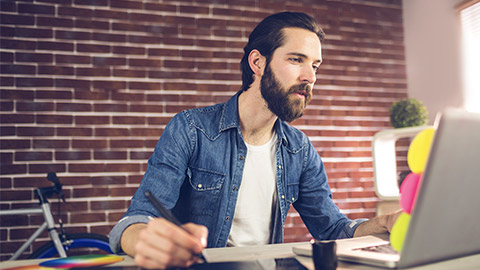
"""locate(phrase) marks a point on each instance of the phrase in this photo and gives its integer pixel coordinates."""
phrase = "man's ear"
(257, 62)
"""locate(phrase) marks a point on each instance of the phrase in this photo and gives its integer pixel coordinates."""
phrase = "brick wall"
(87, 86)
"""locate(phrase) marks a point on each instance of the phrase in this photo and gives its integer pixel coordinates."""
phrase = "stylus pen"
(167, 215)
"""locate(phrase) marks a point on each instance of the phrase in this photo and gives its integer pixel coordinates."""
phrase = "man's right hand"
(162, 244)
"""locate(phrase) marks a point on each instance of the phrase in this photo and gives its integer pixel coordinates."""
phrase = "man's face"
(288, 79)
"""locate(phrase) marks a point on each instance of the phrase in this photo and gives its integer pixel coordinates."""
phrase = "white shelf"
(385, 160)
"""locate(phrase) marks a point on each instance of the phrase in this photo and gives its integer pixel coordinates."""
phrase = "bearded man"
(230, 171)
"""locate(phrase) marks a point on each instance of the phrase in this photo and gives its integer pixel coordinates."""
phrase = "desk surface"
(284, 251)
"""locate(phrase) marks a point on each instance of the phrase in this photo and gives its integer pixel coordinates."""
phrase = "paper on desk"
(343, 244)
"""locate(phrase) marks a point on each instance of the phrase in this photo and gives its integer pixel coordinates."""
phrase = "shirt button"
(235, 188)
(199, 185)
(283, 196)
(242, 157)
(280, 166)
(293, 199)
(227, 218)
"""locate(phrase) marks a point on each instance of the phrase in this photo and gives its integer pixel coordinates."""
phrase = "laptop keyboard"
(385, 248)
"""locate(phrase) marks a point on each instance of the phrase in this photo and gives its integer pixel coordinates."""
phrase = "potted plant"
(408, 113)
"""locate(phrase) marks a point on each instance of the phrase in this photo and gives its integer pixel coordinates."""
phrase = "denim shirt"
(197, 167)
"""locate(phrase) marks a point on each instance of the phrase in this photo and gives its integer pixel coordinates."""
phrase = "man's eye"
(296, 60)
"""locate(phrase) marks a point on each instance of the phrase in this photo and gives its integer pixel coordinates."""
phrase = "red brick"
(92, 24)
(60, 131)
(75, 83)
(17, 44)
(85, 168)
(108, 180)
(128, 50)
(13, 169)
(54, 119)
(6, 106)
(179, 41)
(127, 143)
(34, 106)
(128, 26)
(33, 33)
(57, 144)
(122, 96)
(72, 59)
(163, 52)
(73, 35)
(108, 205)
(109, 132)
(145, 85)
(13, 220)
(141, 39)
(16, 118)
(35, 131)
(140, 155)
(91, 2)
(6, 158)
(33, 82)
(93, 48)
(92, 72)
(155, 132)
(110, 14)
(72, 155)
(45, 168)
(160, 7)
(88, 218)
(35, 9)
(17, 19)
(146, 108)
(145, 62)
(109, 61)
(75, 11)
(55, 46)
(111, 85)
(8, 6)
(89, 144)
(109, 155)
(145, 17)
(129, 73)
(98, 107)
(124, 191)
(90, 95)
(92, 120)
(55, 70)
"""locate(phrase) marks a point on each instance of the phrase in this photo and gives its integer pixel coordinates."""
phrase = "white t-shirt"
(252, 222)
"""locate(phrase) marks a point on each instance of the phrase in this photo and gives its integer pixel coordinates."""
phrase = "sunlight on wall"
(470, 21)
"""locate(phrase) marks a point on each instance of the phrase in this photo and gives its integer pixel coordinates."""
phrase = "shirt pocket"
(205, 190)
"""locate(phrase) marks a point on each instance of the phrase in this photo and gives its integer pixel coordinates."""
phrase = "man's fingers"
(199, 231)
(158, 252)
(177, 235)
(163, 244)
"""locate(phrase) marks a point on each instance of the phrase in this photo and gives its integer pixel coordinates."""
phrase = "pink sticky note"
(408, 191)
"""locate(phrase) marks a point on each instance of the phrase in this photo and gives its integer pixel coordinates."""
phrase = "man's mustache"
(303, 89)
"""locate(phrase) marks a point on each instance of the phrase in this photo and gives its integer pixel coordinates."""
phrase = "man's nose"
(308, 75)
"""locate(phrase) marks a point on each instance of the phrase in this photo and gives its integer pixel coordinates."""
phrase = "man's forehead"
(301, 42)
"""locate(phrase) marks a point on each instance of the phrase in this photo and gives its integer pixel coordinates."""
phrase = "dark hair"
(268, 36)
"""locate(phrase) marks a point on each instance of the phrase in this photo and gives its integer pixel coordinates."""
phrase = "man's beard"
(284, 104)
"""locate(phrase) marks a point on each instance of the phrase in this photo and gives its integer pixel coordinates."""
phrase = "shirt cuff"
(349, 229)
(117, 231)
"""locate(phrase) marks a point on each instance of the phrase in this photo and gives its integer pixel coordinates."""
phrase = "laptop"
(445, 222)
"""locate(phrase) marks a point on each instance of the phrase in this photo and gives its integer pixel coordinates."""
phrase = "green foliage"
(408, 113)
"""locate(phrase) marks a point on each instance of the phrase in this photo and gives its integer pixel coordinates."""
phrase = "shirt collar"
(230, 118)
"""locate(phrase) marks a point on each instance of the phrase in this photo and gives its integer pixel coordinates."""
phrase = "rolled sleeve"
(117, 231)
(349, 229)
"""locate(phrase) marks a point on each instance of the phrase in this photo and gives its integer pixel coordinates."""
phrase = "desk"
(284, 251)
